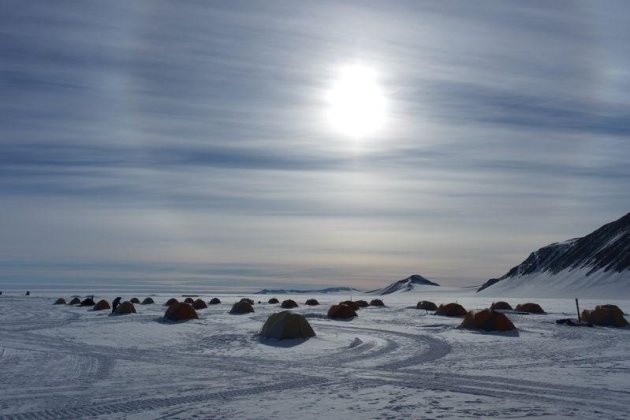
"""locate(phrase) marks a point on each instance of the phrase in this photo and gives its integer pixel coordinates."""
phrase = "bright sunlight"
(356, 104)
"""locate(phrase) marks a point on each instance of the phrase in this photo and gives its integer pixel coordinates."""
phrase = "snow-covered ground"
(391, 362)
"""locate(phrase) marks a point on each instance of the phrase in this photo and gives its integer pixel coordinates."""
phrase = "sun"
(356, 103)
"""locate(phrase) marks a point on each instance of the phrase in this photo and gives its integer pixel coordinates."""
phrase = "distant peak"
(405, 285)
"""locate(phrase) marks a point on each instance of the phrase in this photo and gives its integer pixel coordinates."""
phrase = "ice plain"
(390, 362)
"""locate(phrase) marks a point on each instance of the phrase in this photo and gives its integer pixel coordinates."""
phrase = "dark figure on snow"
(115, 303)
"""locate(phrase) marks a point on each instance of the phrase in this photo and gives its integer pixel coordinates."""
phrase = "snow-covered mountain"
(405, 285)
(295, 291)
(599, 259)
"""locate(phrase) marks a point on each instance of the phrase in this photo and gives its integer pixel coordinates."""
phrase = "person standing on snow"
(115, 303)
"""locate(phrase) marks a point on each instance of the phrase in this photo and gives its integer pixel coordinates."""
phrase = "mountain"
(295, 291)
(599, 258)
(404, 285)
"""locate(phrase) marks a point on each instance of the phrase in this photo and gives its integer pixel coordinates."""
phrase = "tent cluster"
(124, 308)
(605, 315)
(348, 308)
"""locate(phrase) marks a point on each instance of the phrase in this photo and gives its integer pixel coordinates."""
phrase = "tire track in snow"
(133, 406)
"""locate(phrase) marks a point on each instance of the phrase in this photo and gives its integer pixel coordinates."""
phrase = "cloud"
(150, 141)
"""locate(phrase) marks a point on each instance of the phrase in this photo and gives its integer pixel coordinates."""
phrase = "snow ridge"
(604, 251)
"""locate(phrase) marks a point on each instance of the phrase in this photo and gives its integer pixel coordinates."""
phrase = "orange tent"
(241, 307)
(102, 305)
(426, 305)
(125, 308)
(487, 320)
(289, 303)
(351, 304)
(180, 312)
(171, 301)
(501, 305)
(532, 308)
(341, 311)
(199, 304)
(451, 309)
(605, 315)
(87, 302)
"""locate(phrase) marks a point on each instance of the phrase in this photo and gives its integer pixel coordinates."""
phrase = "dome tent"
(426, 305)
(148, 301)
(605, 316)
(351, 304)
(87, 302)
(171, 301)
(241, 307)
(487, 320)
(214, 301)
(125, 308)
(199, 304)
(289, 303)
(101, 305)
(376, 302)
(532, 308)
(285, 324)
(60, 301)
(361, 303)
(180, 312)
(451, 309)
(341, 311)
(501, 305)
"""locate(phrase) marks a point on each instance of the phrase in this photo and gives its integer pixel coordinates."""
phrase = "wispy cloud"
(187, 142)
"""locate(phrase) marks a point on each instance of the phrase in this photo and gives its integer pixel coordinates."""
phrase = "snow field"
(391, 362)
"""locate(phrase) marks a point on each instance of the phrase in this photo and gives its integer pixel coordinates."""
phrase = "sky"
(186, 144)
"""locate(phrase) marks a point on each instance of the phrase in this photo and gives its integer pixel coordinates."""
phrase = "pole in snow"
(577, 305)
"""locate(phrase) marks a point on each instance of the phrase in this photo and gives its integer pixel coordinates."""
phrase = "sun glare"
(356, 104)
